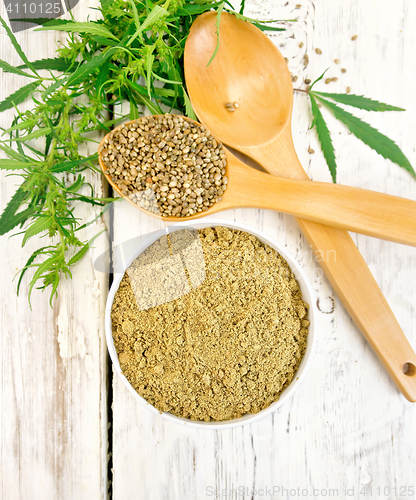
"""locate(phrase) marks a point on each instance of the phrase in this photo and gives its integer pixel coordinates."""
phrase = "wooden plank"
(348, 417)
(53, 402)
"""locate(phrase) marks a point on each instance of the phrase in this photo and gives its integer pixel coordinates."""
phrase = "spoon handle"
(351, 279)
(359, 210)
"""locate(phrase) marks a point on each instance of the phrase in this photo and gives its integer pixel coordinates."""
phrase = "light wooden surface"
(53, 425)
(346, 427)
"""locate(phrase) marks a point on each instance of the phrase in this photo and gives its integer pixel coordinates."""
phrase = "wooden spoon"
(359, 210)
(249, 69)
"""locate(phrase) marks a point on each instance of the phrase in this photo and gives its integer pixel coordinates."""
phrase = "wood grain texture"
(53, 426)
(348, 426)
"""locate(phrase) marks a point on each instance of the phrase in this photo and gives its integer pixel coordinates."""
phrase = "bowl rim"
(306, 289)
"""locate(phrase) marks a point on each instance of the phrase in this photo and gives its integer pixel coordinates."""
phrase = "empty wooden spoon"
(249, 70)
(359, 210)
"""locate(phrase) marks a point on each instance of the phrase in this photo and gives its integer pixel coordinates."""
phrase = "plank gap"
(110, 415)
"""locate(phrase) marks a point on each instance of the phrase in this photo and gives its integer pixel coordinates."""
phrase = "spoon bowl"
(157, 213)
(263, 92)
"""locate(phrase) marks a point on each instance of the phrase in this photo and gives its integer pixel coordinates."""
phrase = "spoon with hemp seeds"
(173, 168)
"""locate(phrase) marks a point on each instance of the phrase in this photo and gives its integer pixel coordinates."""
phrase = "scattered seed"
(328, 80)
(301, 44)
(334, 79)
(306, 60)
(236, 105)
(168, 165)
(230, 107)
(354, 37)
(348, 90)
(307, 81)
(287, 60)
(311, 151)
(318, 51)
(337, 61)
(298, 6)
(294, 78)
(343, 70)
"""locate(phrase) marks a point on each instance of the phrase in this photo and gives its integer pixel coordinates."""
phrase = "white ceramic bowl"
(307, 297)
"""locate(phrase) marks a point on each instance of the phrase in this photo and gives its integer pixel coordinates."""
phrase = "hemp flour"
(226, 347)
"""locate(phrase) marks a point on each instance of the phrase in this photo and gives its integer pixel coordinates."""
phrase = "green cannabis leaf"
(324, 138)
(9, 212)
(262, 25)
(155, 15)
(366, 133)
(10, 69)
(189, 109)
(370, 136)
(17, 47)
(8, 164)
(41, 224)
(19, 96)
(359, 101)
(85, 28)
(58, 64)
(219, 9)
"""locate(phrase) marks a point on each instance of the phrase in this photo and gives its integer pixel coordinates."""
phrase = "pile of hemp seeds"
(227, 347)
(166, 164)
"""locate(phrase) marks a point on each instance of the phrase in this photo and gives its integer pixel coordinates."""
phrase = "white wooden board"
(346, 429)
(53, 398)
